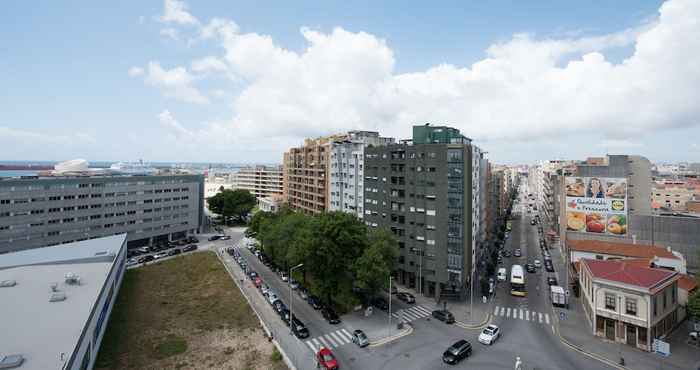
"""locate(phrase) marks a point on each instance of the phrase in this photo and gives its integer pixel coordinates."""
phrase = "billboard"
(596, 205)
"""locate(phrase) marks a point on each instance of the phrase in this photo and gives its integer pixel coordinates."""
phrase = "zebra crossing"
(521, 314)
(330, 340)
(413, 313)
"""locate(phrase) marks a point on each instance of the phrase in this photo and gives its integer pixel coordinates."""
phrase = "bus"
(517, 281)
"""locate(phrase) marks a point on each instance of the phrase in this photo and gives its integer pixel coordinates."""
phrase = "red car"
(258, 281)
(326, 360)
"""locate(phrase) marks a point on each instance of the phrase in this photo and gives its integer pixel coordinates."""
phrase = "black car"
(145, 259)
(551, 280)
(314, 302)
(330, 315)
(213, 237)
(189, 248)
(380, 303)
(530, 268)
(406, 297)
(506, 253)
(284, 315)
(279, 307)
(457, 352)
(192, 239)
(252, 274)
(299, 329)
(548, 265)
(445, 316)
(173, 252)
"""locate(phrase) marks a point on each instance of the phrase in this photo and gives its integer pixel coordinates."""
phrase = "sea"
(17, 173)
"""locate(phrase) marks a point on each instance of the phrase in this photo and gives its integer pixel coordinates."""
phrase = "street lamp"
(619, 325)
(291, 301)
(390, 279)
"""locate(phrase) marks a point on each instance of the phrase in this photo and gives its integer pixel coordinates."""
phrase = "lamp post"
(420, 272)
(619, 325)
(390, 278)
(291, 301)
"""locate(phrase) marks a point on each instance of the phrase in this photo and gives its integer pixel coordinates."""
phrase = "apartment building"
(548, 183)
(261, 181)
(52, 210)
(425, 191)
(673, 195)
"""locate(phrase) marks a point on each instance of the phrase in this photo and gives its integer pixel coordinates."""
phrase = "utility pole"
(291, 301)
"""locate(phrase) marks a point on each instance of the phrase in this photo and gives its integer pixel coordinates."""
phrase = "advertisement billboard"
(596, 205)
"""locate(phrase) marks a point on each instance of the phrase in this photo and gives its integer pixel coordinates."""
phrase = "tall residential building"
(347, 170)
(51, 210)
(261, 181)
(548, 182)
(425, 191)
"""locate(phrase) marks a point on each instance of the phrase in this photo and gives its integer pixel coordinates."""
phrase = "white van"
(502, 275)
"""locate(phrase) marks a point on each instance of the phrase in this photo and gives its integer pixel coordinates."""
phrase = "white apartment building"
(261, 181)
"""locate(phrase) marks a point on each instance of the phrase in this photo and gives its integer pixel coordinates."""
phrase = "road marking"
(553, 329)
(412, 315)
(335, 336)
(341, 335)
(508, 312)
(503, 311)
(346, 332)
(527, 315)
(317, 344)
(495, 311)
(320, 339)
(396, 315)
(328, 337)
(313, 349)
(424, 309)
(546, 318)
(540, 317)
(521, 314)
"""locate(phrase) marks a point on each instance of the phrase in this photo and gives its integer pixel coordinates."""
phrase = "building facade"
(46, 211)
(424, 192)
(261, 181)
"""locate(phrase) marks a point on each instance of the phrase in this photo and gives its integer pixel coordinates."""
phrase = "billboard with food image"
(596, 205)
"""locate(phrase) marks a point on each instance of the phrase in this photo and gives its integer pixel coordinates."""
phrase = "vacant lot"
(184, 313)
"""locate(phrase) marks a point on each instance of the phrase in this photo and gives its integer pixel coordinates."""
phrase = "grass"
(185, 312)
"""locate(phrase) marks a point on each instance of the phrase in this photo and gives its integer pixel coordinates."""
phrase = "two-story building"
(627, 302)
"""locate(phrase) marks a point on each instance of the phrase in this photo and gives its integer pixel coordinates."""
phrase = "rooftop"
(620, 249)
(687, 283)
(44, 332)
(621, 271)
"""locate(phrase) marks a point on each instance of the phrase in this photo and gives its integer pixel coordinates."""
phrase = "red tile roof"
(687, 283)
(619, 249)
(628, 273)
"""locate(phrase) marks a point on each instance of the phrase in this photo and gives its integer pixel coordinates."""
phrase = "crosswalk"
(330, 340)
(521, 314)
(413, 313)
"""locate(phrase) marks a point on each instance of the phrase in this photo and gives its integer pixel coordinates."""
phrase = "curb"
(474, 327)
(386, 340)
(590, 354)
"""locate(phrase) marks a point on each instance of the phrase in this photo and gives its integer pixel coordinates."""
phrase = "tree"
(373, 267)
(694, 305)
(232, 204)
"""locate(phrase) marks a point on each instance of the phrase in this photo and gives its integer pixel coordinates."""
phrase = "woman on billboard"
(595, 188)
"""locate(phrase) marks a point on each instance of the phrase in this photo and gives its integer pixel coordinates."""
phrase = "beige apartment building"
(672, 195)
(261, 181)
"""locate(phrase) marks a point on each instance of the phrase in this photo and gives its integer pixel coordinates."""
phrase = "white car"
(264, 289)
(537, 263)
(131, 262)
(271, 296)
(160, 255)
(489, 335)
(502, 275)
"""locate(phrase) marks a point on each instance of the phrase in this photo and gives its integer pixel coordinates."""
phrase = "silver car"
(359, 338)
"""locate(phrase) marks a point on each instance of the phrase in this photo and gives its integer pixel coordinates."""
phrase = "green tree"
(232, 204)
(694, 305)
(373, 267)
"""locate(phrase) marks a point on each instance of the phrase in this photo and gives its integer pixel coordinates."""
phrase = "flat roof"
(46, 333)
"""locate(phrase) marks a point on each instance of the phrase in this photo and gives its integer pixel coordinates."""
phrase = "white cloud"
(175, 83)
(173, 126)
(209, 64)
(135, 71)
(524, 88)
(619, 144)
(170, 33)
(176, 11)
(218, 93)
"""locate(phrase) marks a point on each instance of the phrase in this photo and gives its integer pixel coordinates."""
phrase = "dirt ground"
(184, 313)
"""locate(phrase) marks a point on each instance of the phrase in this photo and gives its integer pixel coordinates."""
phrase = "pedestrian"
(518, 363)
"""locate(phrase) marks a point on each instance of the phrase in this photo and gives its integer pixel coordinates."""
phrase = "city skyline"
(206, 83)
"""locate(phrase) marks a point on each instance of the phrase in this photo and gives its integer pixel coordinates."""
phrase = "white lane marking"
(424, 309)
(503, 311)
(546, 318)
(313, 349)
(527, 315)
(320, 339)
(341, 335)
(508, 312)
(495, 311)
(337, 339)
(540, 317)
(411, 315)
(419, 313)
(317, 344)
(396, 315)
(346, 333)
(553, 329)
(328, 337)
(520, 312)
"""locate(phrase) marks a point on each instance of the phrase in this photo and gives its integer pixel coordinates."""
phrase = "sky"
(240, 82)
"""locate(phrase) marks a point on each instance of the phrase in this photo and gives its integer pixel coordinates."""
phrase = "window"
(430, 212)
(631, 306)
(609, 301)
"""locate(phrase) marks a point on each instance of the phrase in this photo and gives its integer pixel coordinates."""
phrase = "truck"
(558, 296)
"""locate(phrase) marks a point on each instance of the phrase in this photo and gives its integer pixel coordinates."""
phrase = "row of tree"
(335, 248)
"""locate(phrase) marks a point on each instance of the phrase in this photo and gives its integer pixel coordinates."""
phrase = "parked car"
(189, 248)
(445, 316)
(303, 293)
(145, 259)
(284, 314)
(131, 262)
(284, 276)
(294, 284)
(252, 274)
(551, 280)
(330, 315)
(272, 297)
(314, 302)
(537, 263)
(406, 297)
(380, 303)
(489, 335)
(457, 352)
(548, 266)
(359, 338)
(160, 255)
(517, 253)
(144, 249)
(299, 329)
(279, 306)
(394, 290)
(502, 274)
(506, 253)
(213, 238)
(225, 237)
(264, 289)
(257, 281)
(326, 360)
(192, 239)
(173, 252)
(530, 268)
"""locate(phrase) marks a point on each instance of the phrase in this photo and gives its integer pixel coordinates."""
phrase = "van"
(502, 274)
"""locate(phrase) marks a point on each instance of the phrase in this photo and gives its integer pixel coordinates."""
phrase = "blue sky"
(494, 69)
